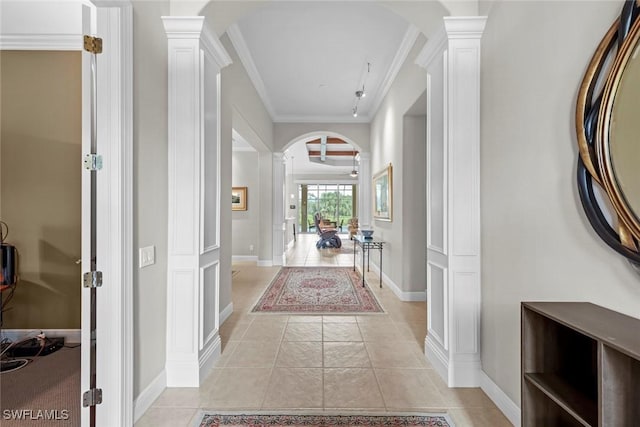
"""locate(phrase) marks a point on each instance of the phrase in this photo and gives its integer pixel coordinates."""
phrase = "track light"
(360, 93)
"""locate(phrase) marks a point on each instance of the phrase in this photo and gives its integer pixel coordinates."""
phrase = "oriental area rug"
(318, 290)
(322, 420)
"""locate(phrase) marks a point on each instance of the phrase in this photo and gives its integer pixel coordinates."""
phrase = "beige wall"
(40, 192)
(387, 146)
(243, 110)
(246, 224)
(150, 136)
(536, 241)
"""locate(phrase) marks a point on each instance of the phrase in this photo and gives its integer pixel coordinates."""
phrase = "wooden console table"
(366, 245)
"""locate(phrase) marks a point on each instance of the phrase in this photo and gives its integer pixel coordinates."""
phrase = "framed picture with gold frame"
(239, 198)
(383, 194)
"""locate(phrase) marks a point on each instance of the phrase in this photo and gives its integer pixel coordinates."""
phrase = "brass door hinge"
(93, 44)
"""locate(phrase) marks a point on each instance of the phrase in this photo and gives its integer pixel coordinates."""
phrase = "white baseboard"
(224, 314)
(437, 357)
(146, 398)
(238, 258)
(410, 296)
(502, 401)
(265, 263)
(209, 356)
(70, 335)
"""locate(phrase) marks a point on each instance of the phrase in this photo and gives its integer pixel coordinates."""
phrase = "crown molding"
(240, 45)
(409, 39)
(343, 118)
(464, 27)
(433, 48)
(192, 27)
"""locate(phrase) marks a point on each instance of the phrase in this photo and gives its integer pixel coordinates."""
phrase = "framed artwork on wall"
(239, 198)
(383, 194)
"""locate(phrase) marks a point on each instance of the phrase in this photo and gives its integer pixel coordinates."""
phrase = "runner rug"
(318, 290)
(294, 420)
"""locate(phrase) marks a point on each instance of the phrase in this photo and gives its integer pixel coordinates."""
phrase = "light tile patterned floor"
(373, 362)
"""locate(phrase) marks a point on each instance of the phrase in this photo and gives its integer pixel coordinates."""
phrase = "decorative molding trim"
(411, 296)
(41, 42)
(323, 119)
(183, 373)
(195, 27)
(434, 47)
(464, 27)
(437, 356)
(265, 263)
(209, 356)
(240, 45)
(464, 372)
(250, 258)
(70, 335)
(145, 399)
(409, 39)
(502, 401)
(224, 314)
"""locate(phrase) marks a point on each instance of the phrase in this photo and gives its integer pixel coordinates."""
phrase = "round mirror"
(608, 135)
(624, 135)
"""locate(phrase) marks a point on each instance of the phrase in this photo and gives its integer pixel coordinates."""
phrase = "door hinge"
(93, 162)
(92, 279)
(92, 397)
(93, 44)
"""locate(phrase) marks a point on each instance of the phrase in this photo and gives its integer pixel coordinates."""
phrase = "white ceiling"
(308, 58)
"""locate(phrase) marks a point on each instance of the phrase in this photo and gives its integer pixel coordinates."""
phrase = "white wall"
(150, 189)
(536, 241)
(387, 146)
(245, 225)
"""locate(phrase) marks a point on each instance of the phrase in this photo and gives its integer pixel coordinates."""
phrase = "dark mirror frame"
(593, 116)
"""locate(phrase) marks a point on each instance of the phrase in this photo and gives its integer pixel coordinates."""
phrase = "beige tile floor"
(371, 363)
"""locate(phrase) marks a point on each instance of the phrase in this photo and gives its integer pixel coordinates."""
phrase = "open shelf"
(572, 400)
(580, 366)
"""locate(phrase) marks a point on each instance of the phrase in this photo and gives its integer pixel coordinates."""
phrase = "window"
(335, 202)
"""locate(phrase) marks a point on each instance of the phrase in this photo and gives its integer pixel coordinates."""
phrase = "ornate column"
(195, 59)
(279, 221)
(452, 61)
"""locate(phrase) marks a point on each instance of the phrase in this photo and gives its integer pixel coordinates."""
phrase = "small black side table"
(367, 245)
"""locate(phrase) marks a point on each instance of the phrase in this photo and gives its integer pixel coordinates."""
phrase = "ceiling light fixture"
(354, 172)
(361, 92)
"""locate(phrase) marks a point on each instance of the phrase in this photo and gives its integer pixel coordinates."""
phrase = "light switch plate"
(147, 256)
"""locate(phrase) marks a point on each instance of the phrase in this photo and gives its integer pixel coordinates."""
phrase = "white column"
(195, 59)
(452, 60)
(279, 221)
(364, 191)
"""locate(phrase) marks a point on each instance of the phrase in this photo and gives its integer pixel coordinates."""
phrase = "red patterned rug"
(318, 290)
(295, 420)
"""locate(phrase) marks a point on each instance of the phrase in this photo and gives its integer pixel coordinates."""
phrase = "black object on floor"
(33, 347)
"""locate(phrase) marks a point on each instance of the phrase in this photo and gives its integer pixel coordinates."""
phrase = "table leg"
(363, 255)
(354, 255)
(381, 267)
(368, 259)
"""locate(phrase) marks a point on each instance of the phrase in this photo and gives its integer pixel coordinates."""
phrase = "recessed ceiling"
(307, 59)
